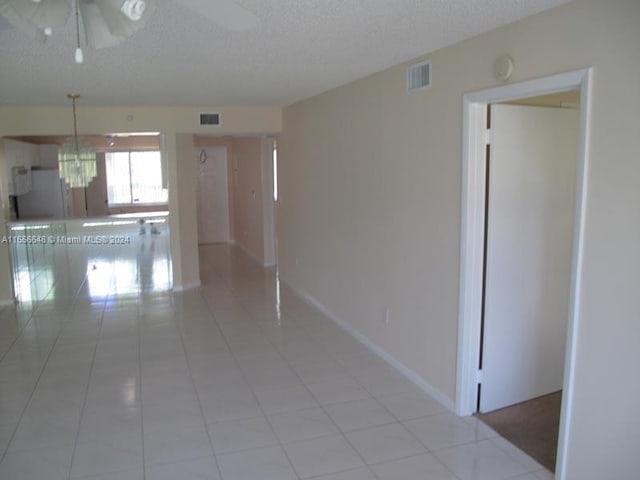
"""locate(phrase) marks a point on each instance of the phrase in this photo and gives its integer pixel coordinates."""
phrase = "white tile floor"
(107, 376)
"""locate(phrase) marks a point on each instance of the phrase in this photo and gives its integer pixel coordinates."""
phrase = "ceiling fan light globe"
(117, 20)
(133, 9)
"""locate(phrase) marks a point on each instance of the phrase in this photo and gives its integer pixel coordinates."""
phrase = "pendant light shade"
(77, 163)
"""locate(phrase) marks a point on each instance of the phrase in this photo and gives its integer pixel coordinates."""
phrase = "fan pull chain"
(79, 54)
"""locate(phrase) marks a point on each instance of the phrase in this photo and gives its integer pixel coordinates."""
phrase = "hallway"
(239, 380)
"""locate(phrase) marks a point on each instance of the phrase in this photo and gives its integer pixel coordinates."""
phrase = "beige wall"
(177, 124)
(370, 202)
(182, 199)
(100, 143)
(6, 287)
(20, 121)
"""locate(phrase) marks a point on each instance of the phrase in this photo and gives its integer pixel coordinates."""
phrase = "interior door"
(212, 195)
(531, 210)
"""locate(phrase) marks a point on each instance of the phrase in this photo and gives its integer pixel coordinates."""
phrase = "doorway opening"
(529, 215)
(117, 223)
(236, 191)
(473, 267)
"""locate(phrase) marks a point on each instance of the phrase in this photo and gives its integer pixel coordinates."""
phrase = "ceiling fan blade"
(4, 24)
(225, 13)
(96, 30)
(35, 15)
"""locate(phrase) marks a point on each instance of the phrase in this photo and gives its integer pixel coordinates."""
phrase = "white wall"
(48, 156)
(370, 188)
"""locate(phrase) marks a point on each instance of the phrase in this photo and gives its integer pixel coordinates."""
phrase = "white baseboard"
(409, 374)
(249, 254)
(188, 286)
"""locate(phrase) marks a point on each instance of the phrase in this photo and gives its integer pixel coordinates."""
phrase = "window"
(134, 178)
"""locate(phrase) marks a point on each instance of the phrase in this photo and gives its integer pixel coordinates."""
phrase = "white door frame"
(472, 236)
(268, 207)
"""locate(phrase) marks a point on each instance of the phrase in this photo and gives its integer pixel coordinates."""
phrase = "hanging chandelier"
(76, 159)
(105, 23)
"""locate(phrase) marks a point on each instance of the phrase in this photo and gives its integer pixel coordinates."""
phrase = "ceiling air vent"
(209, 119)
(419, 77)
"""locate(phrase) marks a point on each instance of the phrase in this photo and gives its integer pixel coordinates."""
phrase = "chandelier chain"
(74, 97)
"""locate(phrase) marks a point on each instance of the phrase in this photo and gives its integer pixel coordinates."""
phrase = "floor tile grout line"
(254, 302)
(322, 406)
(26, 405)
(255, 398)
(42, 369)
(195, 389)
(138, 324)
(93, 360)
(416, 455)
(491, 439)
(242, 301)
(39, 309)
(308, 391)
(324, 475)
(32, 314)
(398, 421)
(374, 397)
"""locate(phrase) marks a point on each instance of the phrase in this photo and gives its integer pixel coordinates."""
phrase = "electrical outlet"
(386, 318)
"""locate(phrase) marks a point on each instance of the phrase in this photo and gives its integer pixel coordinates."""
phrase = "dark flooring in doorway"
(531, 426)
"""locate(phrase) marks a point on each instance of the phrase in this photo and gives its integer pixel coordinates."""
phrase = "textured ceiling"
(301, 48)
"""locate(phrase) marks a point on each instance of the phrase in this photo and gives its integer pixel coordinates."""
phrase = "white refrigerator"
(48, 199)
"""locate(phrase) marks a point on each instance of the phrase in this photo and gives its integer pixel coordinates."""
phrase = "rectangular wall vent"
(209, 119)
(419, 77)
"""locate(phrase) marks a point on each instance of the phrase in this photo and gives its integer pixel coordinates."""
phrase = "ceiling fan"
(106, 23)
